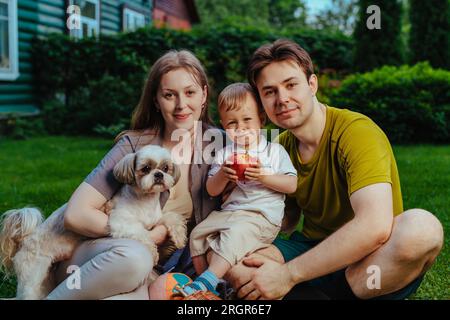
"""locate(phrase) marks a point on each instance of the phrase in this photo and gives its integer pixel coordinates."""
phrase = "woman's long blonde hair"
(145, 115)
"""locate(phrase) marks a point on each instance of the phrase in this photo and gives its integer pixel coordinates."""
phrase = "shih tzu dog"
(29, 246)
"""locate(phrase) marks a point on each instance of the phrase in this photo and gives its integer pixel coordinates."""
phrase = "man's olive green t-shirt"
(353, 153)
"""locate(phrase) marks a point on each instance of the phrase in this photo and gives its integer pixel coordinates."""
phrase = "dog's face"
(151, 169)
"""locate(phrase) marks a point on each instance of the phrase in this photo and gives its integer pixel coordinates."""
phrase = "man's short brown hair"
(280, 50)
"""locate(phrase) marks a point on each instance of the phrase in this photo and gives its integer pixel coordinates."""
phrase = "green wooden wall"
(40, 18)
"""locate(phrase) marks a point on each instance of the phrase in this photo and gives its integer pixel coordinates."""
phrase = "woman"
(174, 97)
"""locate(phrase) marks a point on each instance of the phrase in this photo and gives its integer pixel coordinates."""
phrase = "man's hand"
(238, 276)
(272, 280)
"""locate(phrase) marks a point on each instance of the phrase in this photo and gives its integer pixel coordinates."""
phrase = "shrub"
(18, 128)
(411, 104)
(87, 84)
(94, 107)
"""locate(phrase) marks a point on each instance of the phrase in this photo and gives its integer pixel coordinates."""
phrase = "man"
(356, 240)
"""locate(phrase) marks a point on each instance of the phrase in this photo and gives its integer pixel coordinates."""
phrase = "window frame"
(12, 73)
(133, 11)
(93, 24)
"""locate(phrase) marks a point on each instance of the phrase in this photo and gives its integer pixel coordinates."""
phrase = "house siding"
(161, 18)
(177, 14)
(34, 18)
(111, 13)
(40, 18)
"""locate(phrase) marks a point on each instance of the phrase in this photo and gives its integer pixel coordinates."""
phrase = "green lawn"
(43, 172)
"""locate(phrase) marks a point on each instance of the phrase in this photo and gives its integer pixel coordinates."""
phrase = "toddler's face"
(243, 124)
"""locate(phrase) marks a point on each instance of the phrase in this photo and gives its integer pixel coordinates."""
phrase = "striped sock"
(207, 281)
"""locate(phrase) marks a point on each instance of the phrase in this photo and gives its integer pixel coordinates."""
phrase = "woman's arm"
(83, 215)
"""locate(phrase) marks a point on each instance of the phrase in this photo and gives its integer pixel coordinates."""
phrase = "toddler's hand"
(229, 173)
(255, 172)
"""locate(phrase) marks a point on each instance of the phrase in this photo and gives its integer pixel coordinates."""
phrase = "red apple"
(240, 162)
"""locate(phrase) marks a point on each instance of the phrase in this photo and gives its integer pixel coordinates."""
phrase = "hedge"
(410, 103)
(96, 83)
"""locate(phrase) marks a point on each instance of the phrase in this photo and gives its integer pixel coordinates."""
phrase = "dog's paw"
(108, 207)
(171, 218)
(178, 235)
(154, 251)
(176, 227)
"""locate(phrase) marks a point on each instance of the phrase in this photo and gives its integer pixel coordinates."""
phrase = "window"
(132, 19)
(9, 58)
(89, 19)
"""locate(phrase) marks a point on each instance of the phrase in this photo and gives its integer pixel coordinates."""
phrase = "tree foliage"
(341, 15)
(430, 30)
(262, 13)
(287, 13)
(377, 47)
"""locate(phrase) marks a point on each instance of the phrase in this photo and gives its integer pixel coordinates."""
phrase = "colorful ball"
(163, 288)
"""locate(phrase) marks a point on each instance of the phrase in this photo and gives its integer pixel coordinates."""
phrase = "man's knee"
(419, 234)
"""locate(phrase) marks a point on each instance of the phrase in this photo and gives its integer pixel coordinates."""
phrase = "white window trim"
(12, 73)
(127, 10)
(92, 23)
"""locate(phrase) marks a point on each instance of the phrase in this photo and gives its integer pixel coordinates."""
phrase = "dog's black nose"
(158, 175)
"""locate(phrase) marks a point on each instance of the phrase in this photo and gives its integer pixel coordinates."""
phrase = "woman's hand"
(159, 234)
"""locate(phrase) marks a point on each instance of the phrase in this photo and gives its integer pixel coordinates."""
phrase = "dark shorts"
(331, 286)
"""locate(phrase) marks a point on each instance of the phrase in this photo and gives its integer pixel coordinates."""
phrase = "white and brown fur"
(29, 246)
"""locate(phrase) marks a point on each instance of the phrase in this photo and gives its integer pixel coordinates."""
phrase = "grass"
(44, 172)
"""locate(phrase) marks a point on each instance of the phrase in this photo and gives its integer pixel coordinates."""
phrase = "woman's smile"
(181, 117)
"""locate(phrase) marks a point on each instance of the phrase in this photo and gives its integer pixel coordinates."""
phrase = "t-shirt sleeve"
(217, 163)
(281, 161)
(365, 155)
(102, 177)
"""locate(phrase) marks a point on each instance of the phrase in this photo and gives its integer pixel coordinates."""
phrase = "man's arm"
(367, 231)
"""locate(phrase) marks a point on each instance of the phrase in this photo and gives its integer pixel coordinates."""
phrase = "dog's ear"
(176, 173)
(124, 169)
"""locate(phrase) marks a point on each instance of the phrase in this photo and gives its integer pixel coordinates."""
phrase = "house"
(178, 14)
(21, 20)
